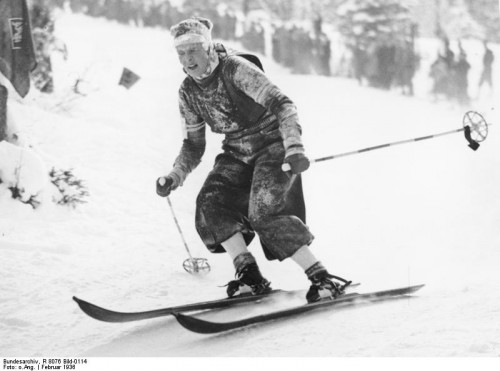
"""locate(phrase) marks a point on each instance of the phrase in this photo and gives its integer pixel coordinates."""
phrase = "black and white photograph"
(232, 184)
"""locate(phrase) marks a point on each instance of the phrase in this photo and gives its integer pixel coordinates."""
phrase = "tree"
(487, 14)
(363, 22)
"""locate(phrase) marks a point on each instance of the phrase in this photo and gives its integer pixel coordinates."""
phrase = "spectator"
(439, 73)
(406, 65)
(486, 75)
(461, 79)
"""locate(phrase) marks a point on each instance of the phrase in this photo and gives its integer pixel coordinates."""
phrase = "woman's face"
(194, 58)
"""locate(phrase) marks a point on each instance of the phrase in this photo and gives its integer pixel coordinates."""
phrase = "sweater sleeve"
(254, 83)
(193, 146)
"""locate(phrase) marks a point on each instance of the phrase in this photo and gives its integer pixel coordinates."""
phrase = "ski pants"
(248, 192)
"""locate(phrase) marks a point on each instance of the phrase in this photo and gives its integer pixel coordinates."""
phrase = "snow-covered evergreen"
(363, 22)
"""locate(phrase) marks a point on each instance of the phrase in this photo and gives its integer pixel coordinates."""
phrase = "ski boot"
(324, 288)
(248, 280)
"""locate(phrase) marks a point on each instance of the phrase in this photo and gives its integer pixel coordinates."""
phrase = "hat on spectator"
(192, 30)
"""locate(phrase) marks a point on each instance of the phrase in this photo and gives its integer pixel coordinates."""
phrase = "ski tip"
(81, 303)
(187, 321)
(417, 287)
(412, 289)
(198, 325)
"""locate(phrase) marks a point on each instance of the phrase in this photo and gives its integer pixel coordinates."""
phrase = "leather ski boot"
(248, 277)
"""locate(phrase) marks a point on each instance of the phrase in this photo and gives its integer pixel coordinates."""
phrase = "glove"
(164, 185)
(297, 163)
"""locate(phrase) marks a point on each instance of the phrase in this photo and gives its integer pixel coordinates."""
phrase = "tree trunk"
(3, 112)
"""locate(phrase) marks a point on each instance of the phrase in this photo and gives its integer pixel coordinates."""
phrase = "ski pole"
(191, 265)
(475, 129)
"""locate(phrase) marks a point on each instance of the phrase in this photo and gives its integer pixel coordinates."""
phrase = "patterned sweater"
(208, 102)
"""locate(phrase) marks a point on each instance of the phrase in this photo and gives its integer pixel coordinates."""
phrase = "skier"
(247, 191)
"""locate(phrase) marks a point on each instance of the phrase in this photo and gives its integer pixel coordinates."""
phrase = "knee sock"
(307, 261)
(235, 245)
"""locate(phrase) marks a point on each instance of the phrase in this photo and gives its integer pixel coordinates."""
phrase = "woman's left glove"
(296, 163)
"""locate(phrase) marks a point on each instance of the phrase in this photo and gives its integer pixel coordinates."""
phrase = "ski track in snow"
(421, 213)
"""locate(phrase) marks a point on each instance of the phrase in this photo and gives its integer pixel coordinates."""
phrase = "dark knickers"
(253, 196)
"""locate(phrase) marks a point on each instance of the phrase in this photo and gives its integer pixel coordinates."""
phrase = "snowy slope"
(422, 213)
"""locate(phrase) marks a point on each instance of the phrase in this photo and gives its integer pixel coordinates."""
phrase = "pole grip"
(286, 167)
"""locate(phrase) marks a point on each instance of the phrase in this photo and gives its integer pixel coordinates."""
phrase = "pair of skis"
(208, 327)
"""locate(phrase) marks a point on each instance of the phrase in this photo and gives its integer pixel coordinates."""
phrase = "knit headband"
(192, 30)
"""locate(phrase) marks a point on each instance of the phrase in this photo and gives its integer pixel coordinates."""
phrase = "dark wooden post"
(3, 112)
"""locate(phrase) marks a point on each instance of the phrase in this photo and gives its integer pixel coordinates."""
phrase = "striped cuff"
(178, 176)
(315, 269)
(294, 149)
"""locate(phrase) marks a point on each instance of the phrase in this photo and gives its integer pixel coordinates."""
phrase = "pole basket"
(475, 128)
(196, 265)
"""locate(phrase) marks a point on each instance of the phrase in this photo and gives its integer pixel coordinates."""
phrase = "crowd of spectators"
(302, 51)
(386, 62)
(449, 72)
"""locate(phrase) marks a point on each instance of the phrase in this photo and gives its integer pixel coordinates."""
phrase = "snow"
(426, 212)
(24, 167)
